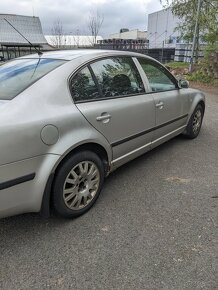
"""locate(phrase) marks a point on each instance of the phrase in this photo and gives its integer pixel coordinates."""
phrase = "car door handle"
(160, 105)
(103, 117)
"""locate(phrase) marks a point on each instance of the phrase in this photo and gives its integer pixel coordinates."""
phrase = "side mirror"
(183, 84)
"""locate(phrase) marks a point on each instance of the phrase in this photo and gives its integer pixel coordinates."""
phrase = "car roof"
(73, 54)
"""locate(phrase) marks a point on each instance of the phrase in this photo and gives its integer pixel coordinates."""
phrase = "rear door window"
(83, 87)
(117, 77)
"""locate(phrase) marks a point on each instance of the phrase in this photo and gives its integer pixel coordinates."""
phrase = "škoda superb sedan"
(69, 118)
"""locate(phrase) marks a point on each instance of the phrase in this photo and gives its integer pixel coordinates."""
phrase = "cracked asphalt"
(154, 227)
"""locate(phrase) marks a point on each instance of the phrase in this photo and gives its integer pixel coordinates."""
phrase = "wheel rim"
(81, 185)
(197, 121)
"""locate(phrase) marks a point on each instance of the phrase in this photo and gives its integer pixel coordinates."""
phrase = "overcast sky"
(74, 14)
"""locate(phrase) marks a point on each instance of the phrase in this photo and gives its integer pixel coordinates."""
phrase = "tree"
(76, 38)
(207, 22)
(58, 38)
(94, 24)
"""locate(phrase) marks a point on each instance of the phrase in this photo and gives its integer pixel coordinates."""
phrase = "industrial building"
(165, 42)
(161, 40)
(125, 33)
(12, 44)
(126, 40)
(161, 29)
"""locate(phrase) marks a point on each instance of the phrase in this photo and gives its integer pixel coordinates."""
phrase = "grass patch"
(177, 64)
(199, 76)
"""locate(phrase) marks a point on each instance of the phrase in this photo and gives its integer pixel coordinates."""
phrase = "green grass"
(200, 77)
(177, 64)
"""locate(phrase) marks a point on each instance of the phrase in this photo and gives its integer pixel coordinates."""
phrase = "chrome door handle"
(103, 117)
(160, 105)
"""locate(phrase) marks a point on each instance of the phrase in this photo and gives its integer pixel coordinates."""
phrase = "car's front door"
(111, 95)
(170, 101)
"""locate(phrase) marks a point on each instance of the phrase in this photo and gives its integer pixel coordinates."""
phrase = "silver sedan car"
(69, 118)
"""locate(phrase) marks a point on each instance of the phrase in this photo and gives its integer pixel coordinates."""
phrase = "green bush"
(200, 76)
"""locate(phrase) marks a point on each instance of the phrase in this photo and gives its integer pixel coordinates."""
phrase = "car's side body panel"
(194, 97)
(129, 125)
(171, 116)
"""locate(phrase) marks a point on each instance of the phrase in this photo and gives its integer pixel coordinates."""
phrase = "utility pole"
(195, 36)
(162, 52)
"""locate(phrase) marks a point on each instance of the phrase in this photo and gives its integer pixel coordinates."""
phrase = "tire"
(194, 125)
(77, 184)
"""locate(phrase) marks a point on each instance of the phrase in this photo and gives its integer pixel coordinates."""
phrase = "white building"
(162, 35)
(68, 41)
(133, 40)
(135, 34)
(161, 29)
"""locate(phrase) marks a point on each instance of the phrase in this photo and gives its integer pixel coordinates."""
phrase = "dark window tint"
(117, 76)
(17, 75)
(159, 79)
(83, 87)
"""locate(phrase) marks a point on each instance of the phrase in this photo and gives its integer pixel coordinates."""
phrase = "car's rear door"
(170, 102)
(111, 96)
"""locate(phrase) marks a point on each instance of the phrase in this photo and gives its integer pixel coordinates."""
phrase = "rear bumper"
(22, 184)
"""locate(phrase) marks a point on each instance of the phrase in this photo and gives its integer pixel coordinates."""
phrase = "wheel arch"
(198, 99)
(202, 103)
(90, 146)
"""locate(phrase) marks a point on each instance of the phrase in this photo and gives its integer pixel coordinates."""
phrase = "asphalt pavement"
(154, 226)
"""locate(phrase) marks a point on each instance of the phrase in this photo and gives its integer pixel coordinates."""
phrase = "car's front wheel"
(194, 125)
(77, 184)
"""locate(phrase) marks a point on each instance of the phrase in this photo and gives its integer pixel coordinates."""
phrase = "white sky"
(74, 14)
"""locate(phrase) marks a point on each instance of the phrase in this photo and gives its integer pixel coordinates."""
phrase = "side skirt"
(141, 150)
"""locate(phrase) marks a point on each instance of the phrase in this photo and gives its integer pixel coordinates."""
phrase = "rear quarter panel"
(48, 101)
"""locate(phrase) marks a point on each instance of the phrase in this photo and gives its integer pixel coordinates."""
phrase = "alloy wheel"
(196, 124)
(81, 185)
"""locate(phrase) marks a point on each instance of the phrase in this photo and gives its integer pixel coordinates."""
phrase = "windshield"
(17, 75)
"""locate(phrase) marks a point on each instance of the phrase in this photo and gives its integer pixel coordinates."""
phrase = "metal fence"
(161, 54)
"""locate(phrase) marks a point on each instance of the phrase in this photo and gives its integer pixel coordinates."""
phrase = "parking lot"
(153, 227)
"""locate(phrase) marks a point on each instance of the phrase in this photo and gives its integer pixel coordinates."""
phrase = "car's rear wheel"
(194, 125)
(77, 184)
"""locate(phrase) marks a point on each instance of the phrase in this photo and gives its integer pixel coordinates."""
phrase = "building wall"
(162, 36)
(142, 34)
(132, 34)
(161, 29)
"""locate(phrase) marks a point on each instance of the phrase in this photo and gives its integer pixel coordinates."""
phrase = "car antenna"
(36, 49)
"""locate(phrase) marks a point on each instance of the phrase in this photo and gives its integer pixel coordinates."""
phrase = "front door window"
(158, 77)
